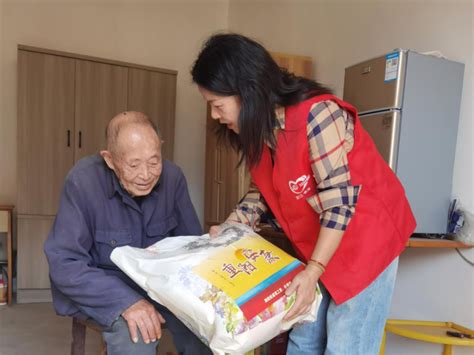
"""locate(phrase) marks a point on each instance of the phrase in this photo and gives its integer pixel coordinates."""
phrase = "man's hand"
(305, 286)
(143, 316)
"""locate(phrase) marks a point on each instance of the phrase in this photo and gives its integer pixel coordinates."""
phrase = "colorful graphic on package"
(252, 271)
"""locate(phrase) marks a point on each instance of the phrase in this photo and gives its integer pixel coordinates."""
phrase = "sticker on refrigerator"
(391, 66)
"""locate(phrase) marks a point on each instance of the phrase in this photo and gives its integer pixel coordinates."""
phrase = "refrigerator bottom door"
(384, 128)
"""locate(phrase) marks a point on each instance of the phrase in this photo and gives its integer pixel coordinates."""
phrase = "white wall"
(161, 33)
(431, 284)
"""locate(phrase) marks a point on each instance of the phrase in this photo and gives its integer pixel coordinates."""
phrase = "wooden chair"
(79, 328)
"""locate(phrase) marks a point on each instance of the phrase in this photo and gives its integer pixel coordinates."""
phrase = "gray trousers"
(119, 342)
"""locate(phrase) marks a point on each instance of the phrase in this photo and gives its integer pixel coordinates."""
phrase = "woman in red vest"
(318, 171)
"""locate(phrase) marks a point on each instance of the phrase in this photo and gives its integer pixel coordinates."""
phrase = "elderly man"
(127, 195)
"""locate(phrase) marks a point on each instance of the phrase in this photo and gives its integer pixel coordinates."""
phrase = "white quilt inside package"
(229, 290)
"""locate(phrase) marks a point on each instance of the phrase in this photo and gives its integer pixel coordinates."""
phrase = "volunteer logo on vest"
(298, 186)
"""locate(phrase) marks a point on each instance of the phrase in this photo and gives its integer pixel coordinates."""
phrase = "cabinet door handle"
(68, 137)
(80, 139)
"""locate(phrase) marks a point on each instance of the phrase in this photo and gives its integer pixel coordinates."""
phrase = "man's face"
(136, 160)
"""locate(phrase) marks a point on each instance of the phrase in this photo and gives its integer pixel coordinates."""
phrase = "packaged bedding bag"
(229, 290)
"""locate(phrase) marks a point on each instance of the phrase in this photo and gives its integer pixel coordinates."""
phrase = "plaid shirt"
(330, 132)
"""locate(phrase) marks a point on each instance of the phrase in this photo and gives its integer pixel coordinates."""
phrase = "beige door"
(101, 93)
(154, 93)
(32, 265)
(45, 129)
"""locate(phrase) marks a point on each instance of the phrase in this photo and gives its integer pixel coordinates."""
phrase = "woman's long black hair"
(231, 64)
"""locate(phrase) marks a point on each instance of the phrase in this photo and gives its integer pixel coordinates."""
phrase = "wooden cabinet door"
(296, 64)
(215, 177)
(32, 265)
(223, 178)
(45, 129)
(154, 93)
(101, 93)
(213, 189)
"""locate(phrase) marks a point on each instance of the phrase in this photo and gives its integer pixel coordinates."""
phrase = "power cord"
(464, 257)
(446, 236)
(456, 222)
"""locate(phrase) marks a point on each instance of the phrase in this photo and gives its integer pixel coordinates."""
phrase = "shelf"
(414, 242)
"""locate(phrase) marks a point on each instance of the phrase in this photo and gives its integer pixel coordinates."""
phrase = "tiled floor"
(36, 329)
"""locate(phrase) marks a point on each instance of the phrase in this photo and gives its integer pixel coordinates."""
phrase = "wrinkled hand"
(305, 286)
(144, 317)
(214, 230)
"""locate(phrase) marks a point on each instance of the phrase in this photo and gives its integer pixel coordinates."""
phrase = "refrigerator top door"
(376, 84)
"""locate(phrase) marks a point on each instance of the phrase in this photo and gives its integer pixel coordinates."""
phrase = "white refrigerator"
(409, 103)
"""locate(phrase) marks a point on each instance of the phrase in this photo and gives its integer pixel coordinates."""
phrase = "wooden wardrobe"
(65, 101)
(225, 183)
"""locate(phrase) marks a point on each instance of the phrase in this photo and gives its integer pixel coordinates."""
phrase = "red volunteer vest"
(382, 222)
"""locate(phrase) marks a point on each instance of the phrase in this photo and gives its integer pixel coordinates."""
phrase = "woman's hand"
(215, 230)
(305, 282)
(305, 286)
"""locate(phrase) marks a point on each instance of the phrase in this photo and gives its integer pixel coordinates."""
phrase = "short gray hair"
(124, 119)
